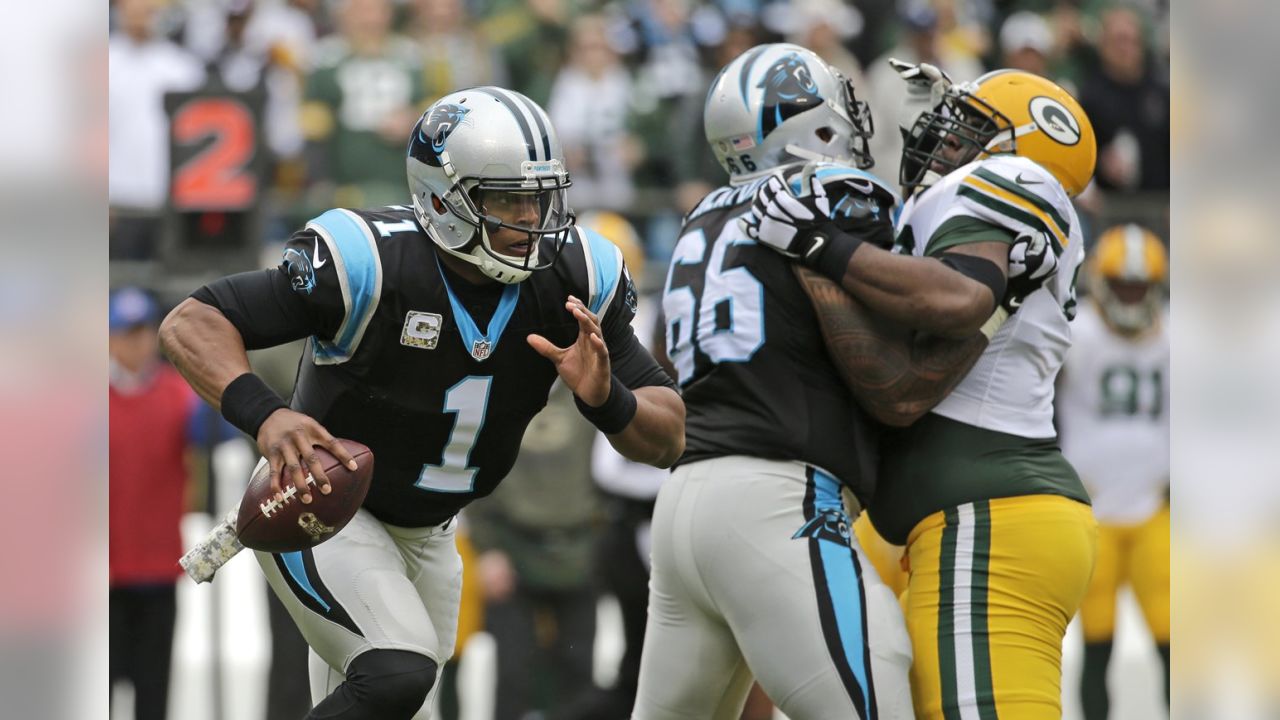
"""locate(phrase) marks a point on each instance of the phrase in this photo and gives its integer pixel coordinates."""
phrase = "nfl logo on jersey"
(480, 349)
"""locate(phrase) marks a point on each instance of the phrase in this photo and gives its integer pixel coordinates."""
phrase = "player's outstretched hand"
(1032, 261)
(926, 86)
(288, 439)
(584, 365)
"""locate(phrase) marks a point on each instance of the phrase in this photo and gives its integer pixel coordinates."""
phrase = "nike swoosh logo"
(317, 263)
(861, 186)
(1022, 181)
(818, 242)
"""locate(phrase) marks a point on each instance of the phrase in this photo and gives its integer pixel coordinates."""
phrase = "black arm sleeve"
(631, 362)
(273, 307)
(261, 305)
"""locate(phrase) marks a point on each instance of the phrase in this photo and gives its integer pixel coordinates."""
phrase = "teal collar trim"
(481, 345)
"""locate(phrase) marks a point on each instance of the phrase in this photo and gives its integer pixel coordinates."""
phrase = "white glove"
(926, 86)
(780, 220)
(1032, 261)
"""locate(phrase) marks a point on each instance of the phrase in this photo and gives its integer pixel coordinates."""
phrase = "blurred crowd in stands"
(623, 81)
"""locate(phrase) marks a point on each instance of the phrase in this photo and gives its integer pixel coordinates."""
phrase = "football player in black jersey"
(436, 330)
(755, 572)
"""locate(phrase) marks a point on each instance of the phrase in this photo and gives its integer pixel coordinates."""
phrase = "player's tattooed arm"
(895, 374)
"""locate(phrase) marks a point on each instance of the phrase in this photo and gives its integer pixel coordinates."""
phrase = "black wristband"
(832, 259)
(615, 414)
(247, 402)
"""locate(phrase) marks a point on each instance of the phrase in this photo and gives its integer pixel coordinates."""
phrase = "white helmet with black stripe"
(780, 104)
(476, 142)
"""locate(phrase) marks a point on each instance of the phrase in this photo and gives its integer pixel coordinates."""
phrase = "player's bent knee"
(392, 683)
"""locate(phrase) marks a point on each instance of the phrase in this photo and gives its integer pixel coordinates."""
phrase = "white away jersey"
(1010, 389)
(1113, 407)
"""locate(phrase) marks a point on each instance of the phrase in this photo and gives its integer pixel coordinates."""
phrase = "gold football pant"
(1137, 555)
(992, 586)
(886, 557)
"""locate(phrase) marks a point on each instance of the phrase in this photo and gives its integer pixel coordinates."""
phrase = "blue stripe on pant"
(841, 600)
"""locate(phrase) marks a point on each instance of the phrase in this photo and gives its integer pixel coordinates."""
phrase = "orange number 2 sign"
(219, 176)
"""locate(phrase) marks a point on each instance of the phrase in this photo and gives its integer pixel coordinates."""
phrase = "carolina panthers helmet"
(1007, 112)
(479, 141)
(1127, 273)
(780, 104)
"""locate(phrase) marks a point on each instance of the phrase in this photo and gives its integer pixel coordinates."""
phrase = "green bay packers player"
(1113, 410)
(999, 534)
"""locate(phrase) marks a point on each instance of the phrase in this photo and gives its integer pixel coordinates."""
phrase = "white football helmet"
(781, 104)
(488, 140)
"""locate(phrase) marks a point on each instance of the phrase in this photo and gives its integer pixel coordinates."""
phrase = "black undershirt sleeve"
(302, 296)
(631, 362)
(263, 308)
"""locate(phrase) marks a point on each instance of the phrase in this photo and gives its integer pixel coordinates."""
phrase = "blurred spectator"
(154, 418)
(628, 490)
(588, 109)
(667, 99)
(531, 35)
(1026, 43)
(697, 171)
(142, 68)
(826, 27)
(260, 42)
(886, 91)
(1075, 56)
(1128, 102)
(1113, 401)
(362, 99)
(535, 535)
(963, 26)
(454, 54)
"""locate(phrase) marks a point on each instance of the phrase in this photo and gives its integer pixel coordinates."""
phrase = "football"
(286, 525)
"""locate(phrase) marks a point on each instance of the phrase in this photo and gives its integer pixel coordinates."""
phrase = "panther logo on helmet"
(434, 130)
(789, 90)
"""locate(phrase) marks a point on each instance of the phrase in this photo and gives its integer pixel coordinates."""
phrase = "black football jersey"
(752, 364)
(433, 373)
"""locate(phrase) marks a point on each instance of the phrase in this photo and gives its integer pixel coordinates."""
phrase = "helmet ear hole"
(824, 133)
(437, 204)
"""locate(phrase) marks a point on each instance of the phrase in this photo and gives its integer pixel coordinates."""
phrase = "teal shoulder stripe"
(605, 265)
(359, 269)
(1011, 211)
(1027, 195)
(825, 173)
(836, 173)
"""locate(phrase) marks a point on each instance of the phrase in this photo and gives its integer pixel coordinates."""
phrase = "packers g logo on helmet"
(1055, 120)
(1008, 112)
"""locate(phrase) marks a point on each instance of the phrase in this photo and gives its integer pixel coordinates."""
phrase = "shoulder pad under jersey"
(1018, 194)
(594, 268)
